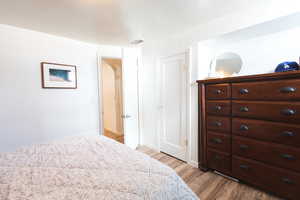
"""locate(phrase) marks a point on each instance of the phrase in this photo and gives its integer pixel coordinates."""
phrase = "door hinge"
(186, 142)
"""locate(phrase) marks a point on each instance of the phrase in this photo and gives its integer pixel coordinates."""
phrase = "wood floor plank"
(208, 185)
(158, 156)
(205, 183)
(225, 194)
(175, 163)
(212, 188)
(180, 168)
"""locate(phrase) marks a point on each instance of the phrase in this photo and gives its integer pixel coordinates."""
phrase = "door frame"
(159, 102)
(100, 90)
(100, 93)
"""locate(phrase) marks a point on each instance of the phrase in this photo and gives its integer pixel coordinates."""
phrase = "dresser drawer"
(282, 133)
(219, 141)
(273, 179)
(219, 161)
(267, 90)
(280, 155)
(218, 107)
(220, 124)
(275, 111)
(218, 91)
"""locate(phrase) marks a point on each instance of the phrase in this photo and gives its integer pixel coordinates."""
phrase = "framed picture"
(58, 76)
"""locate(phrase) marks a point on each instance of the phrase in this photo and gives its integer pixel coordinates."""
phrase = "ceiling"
(116, 21)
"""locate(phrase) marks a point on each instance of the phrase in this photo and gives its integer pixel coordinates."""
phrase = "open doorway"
(121, 104)
(112, 95)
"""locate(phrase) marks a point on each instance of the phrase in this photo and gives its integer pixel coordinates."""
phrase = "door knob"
(125, 116)
(160, 107)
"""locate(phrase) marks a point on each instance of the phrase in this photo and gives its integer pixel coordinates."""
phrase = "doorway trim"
(100, 89)
(187, 71)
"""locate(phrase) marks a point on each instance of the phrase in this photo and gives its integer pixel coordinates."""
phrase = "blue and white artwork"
(59, 76)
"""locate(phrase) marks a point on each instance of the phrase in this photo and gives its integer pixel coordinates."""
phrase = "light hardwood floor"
(208, 185)
(114, 136)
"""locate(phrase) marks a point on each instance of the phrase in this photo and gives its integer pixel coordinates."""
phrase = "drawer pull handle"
(218, 108)
(216, 157)
(287, 181)
(218, 91)
(288, 156)
(244, 91)
(244, 127)
(288, 112)
(288, 133)
(244, 109)
(288, 90)
(244, 147)
(218, 124)
(217, 141)
(245, 167)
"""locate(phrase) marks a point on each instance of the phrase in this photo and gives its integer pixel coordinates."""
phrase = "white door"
(130, 96)
(173, 137)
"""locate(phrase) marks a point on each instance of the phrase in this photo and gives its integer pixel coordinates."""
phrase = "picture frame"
(58, 76)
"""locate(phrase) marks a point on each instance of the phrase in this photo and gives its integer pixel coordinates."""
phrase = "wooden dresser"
(249, 129)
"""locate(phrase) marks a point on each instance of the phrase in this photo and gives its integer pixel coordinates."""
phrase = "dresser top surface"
(257, 77)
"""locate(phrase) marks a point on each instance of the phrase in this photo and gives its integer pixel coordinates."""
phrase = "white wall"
(200, 59)
(260, 54)
(30, 114)
(148, 100)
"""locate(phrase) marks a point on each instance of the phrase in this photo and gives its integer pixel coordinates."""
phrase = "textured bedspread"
(87, 169)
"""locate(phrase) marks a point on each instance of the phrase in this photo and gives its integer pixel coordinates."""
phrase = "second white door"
(173, 134)
(130, 96)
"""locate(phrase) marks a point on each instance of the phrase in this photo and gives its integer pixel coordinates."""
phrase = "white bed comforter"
(87, 169)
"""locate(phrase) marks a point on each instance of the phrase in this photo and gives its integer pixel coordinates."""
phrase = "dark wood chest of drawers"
(249, 128)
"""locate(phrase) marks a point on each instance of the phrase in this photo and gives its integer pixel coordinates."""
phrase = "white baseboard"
(193, 163)
(153, 147)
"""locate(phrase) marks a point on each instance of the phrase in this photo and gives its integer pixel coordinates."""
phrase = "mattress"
(87, 168)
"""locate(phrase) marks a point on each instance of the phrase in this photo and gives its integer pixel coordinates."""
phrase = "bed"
(87, 168)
